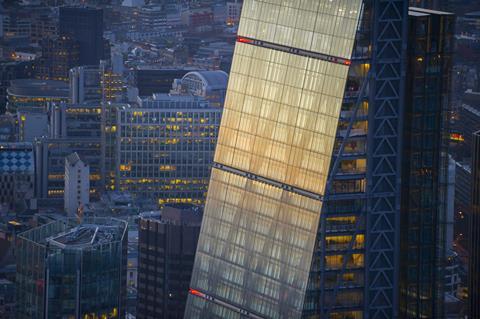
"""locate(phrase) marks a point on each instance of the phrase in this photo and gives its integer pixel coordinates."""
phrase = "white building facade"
(77, 184)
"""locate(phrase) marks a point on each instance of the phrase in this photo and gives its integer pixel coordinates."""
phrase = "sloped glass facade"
(272, 159)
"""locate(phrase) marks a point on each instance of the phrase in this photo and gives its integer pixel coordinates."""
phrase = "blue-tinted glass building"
(68, 269)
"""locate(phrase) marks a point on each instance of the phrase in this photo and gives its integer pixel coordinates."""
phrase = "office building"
(59, 55)
(75, 120)
(211, 85)
(112, 84)
(350, 248)
(425, 163)
(17, 176)
(85, 26)
(154, 17)
(234, 9)
(77, 185)
(167, 245)
(32, 94)
(12, 70)
(81, 128)
(198, 19)
(85, 85)
(271, 166)
(72, 269)
(32, 124)
(8, 128)
(474, 234)
(50, 163)
(34, 24)
(164, 148)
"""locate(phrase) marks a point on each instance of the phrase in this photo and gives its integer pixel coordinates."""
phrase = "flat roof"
(85, 235)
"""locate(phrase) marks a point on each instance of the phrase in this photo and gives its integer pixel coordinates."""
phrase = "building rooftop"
(179, 214)
(71, 233)
(72, 159)
(16, 158)
(38, 88)
(153, 67)
(170, 101)
(85, 235)
(213, 79)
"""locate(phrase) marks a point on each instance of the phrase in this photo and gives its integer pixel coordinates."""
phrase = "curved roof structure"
(38, 88)
(213, 79)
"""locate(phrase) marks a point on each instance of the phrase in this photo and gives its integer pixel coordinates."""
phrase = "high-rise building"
(167, 245)
(77, 184)
(425, 163)
(474, 234)
(164, 148)
(59, 55)
(271, 166)
(72, 269)
(85, 26)
(256, 256)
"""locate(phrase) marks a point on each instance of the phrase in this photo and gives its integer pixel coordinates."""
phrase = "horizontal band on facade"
(296, 51)
(222, 303)
(269, 181)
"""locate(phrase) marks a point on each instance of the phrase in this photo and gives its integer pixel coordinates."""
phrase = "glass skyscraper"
(425, 163)
(474, 238)
(67, 269)
(273, 159)
(316, 168)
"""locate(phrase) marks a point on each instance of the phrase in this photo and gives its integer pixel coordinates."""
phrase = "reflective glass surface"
(281, 115)
(280, 120)
(327, 27)
(256, 246)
